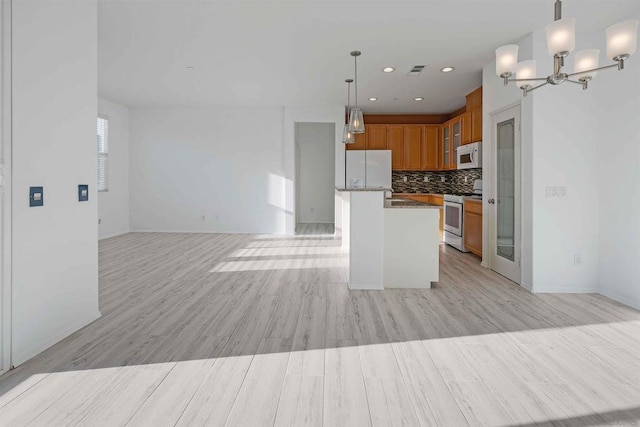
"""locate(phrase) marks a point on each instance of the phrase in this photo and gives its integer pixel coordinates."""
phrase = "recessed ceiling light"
(419, 98)
(388, 70)
(373, 98)
(447, 69)
(190, 67)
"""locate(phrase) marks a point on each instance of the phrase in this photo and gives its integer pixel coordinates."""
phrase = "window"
(103, 154)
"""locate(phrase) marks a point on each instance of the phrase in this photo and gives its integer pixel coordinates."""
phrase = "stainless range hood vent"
(416, 70)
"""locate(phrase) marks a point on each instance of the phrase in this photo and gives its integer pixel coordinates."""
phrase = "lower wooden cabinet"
(473, 226)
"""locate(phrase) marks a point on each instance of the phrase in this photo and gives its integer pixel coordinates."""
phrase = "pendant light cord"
(355, 59)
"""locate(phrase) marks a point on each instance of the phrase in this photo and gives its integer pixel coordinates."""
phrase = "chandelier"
(561, 41)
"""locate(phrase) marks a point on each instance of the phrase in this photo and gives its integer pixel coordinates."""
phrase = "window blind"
(103, 154)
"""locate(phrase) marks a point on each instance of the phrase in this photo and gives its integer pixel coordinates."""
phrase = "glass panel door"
(445, 146)
(505, 191)
(504, 197)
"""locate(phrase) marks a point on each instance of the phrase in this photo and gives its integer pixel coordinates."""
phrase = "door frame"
(5, 186)
(492, 176)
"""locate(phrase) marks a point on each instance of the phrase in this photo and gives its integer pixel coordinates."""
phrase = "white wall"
(207, 170)
(589, 142)
(316, 177)
(618, 172)
(113, 205)
(55, 256)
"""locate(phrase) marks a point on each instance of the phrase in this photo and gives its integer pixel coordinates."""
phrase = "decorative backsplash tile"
(453, 181)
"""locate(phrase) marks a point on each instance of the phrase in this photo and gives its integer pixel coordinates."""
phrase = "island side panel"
(366, 229)
(411, 251)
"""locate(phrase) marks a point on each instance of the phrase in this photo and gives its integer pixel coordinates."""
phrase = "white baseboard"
(110, 235)
(618, 298)
(364, 287)
(565, 290)
(262, 233)
(20, 358)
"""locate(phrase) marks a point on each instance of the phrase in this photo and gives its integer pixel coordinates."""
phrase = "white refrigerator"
(368, 168)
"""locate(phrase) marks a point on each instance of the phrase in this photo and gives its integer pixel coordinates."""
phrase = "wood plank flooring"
(239, 330)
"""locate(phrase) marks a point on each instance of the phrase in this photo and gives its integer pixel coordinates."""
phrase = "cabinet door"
(473, 232)
(445, 146)
(456, 138)
(361, 142)
(412, 147)
(429, 152)
(466, 128)
(476, 124)
(395, 143)
(376, 137)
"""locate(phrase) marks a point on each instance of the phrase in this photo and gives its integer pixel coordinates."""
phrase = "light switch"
(83, 193)
(36, 196)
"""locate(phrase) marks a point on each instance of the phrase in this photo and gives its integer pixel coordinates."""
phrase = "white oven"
(453, 225)
(469, 156)
(453, 217)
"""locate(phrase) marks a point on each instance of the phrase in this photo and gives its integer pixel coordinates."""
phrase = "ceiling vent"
(416, 70)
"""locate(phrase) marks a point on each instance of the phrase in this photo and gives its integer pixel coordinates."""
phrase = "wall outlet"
(555, 192)
(99, 221)
(466, 178)
(577, 259)
(442, 179)
(426, 179)
(404, 178)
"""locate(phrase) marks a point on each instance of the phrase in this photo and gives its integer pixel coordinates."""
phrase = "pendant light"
(347, 135)
(356, 121)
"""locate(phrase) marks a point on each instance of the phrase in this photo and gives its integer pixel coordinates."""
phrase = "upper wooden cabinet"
(376, 137)
(476, 124)
(395, 143)
(466, 128)
(361, 142)
(429, 152)
(412, 147)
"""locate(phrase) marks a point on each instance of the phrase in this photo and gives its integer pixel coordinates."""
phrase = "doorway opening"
(315, 178)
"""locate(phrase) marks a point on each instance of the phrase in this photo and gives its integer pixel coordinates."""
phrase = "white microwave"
(470, 156)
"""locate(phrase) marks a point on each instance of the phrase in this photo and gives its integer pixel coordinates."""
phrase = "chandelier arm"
(531, 89)
(575, 81)
(594, 69)
(529, 80)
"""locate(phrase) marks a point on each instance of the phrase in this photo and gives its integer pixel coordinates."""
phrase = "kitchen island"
(392, 243)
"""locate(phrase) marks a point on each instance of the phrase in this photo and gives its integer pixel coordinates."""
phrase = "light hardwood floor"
(205, 329)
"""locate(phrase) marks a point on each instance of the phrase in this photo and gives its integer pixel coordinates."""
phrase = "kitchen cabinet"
(456, 140)
(476, 124)
(395, 143)
(429, 153)
(473, 226)
(466, 137)
(376, 137)
(361, 142)
(412, 147)
(445, 146)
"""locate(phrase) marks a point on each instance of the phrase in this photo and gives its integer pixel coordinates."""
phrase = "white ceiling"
(266, 53)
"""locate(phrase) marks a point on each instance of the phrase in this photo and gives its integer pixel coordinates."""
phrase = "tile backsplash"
(453, 181)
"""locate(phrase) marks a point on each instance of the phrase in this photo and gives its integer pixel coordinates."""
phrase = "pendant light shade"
(506, 60)
(622, 39)
(561, 36)
(356, 120)
(586, 60)
(347, 135)
(526, 70)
